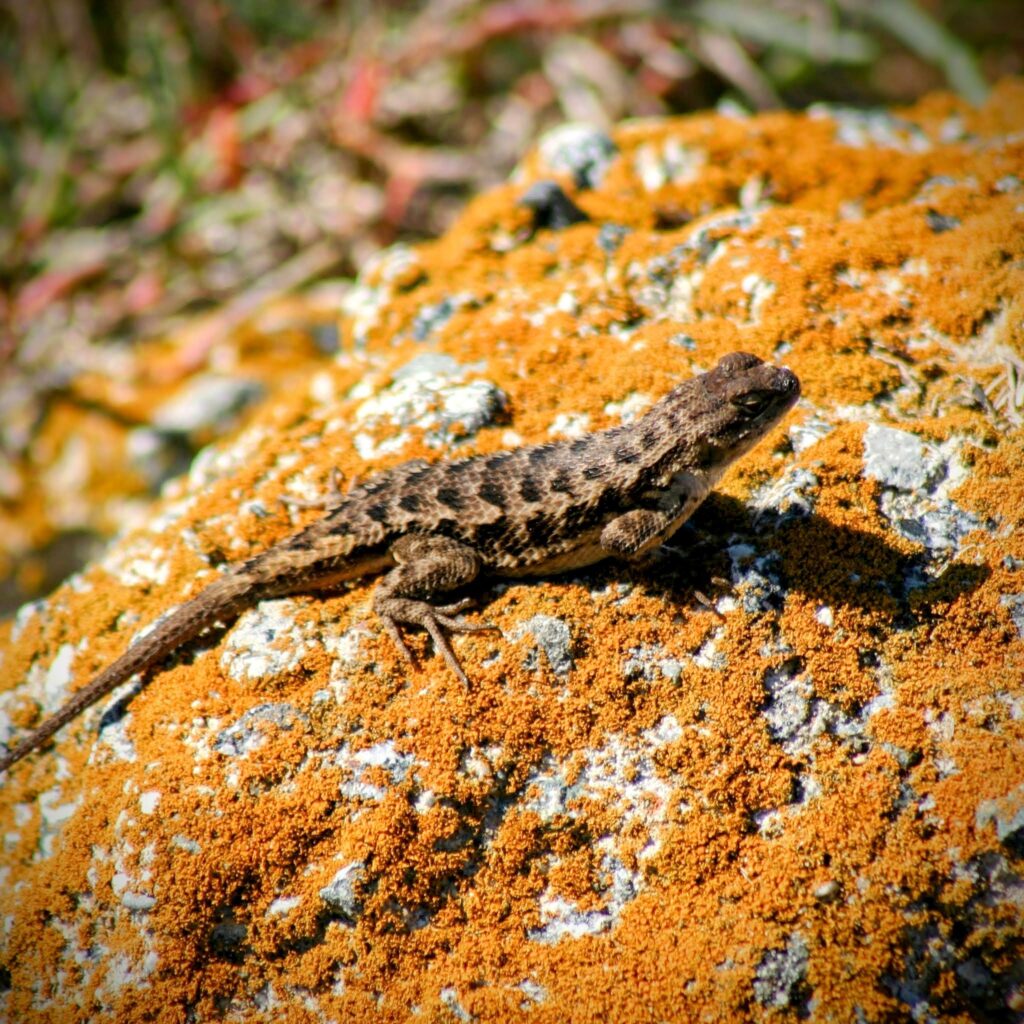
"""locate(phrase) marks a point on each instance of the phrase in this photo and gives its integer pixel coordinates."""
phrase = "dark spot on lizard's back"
(625, 455)
(649, 437)
(539, 455)
(460, 467)
(609, 501)
(529, 490)
(419, 473)
(594, 472)
(451, 497)
(494, 462)
(410, 502)
(378, 512)
(492, 493)
(578, 517)
(579, 445)
(445, 527)
(538, 529)
(300, 542)
(488, 536)
(562, 482)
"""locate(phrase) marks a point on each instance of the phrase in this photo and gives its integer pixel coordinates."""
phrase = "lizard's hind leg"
(427, 566)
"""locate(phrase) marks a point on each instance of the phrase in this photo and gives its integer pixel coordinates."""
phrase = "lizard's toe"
(397, 639)
(462, 626)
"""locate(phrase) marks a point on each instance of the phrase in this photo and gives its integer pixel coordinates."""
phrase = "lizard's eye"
(752, 405)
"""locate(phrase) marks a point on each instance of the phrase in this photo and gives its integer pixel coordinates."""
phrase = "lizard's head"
(739, 401)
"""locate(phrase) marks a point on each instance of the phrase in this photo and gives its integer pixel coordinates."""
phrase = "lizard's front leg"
(427, 565)
(634, 534)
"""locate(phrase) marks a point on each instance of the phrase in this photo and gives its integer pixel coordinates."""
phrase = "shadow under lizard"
(531, 511)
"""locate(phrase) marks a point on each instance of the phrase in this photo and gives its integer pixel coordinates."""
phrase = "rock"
(340, 894)
(551, 207)
(211, 403)
(780, 979)
(897, 459)
(799, 796)
(581, 150)
(552, 636)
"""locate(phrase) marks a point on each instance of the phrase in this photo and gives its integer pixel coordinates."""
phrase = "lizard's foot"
(435, 620)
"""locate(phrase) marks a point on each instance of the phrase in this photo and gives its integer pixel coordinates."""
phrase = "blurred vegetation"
(170, 117)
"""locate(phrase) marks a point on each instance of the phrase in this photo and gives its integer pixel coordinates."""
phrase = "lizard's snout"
(788, 383)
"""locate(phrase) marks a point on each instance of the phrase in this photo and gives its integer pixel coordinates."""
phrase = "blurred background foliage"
(162, 160)
(180, 150)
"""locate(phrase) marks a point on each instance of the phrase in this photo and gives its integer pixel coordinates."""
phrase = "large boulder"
(779, 772)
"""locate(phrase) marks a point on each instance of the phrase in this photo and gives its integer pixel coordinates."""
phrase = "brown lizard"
(535, 510)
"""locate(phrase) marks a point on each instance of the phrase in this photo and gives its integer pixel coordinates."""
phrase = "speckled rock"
(776, 774)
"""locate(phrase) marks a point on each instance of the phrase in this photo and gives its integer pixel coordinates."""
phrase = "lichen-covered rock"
(777, 773)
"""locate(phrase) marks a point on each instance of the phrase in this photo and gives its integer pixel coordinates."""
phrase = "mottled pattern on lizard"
(540, 509)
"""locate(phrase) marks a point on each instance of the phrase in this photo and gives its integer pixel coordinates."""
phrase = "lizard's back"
(518, 509)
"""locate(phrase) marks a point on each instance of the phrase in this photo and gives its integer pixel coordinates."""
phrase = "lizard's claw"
(397, 639)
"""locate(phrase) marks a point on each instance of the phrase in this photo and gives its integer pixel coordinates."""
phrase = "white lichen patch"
(708, 655)
(570, 425)
(629, 408)
(137, 562)
(917, 478)
(148, 801)
(266, 641)
(794, 493)
(341, 893)
(670, 162)
(124, 972)
(171, 513)
(577, 148)
(759, 290)
(620, 776)
(431, 395)
(24, 615)
(48, 684)
(283, 906)
(869, 129)
(808, 433)
(551, 636)
(249, 731)
(54, 812)
(374, 289)
(346, 651)
(215, 462)
(384, 756)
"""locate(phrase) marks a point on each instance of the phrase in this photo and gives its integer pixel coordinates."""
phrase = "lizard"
(432, 527)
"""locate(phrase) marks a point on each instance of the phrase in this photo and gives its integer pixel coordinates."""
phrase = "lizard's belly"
(550, 563)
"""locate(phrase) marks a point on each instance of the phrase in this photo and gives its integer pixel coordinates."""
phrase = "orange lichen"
(803, 798)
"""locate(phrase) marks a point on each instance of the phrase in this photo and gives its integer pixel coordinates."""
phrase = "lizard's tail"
(221, 598)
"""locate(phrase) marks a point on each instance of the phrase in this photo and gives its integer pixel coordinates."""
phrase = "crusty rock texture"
(777, 774)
